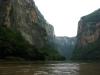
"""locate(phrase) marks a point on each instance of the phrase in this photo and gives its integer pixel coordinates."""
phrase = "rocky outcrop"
(88, 33)
(24, 33)
(88, 37)
(24, 16)
(65, 46)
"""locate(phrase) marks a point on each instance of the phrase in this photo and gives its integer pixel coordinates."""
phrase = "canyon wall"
(88, 37)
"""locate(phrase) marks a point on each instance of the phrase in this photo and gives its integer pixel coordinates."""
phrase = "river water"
(54, 68)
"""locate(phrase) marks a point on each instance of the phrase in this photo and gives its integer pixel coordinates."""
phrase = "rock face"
(88, 38)
(65, 46)
(24, 33)
(24, 16)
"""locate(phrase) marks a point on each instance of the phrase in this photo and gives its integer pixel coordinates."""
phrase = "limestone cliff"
(24, 33)
(24, 16)
(88, 37)
(65, 45)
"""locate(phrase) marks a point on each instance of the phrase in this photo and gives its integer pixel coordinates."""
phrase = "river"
(51, 68)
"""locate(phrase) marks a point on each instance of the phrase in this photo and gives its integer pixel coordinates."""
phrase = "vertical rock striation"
(24, 16)
(24, 32)
(88, 37)
(65, 46)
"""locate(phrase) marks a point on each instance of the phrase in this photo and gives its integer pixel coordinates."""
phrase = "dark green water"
(56, 68)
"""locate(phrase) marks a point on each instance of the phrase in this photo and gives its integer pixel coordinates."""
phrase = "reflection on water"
(49, 69)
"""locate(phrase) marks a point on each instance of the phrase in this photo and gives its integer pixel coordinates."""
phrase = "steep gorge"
(65, 46)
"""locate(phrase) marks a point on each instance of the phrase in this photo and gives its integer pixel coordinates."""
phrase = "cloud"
(65, 14)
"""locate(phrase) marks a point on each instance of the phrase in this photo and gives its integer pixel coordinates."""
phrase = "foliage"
(90, 52)
(51, 53)
(12, 44)
(93, 17)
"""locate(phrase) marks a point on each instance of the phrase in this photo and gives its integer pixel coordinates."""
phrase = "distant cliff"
(88, 37)
(65, 46)
(22, 18)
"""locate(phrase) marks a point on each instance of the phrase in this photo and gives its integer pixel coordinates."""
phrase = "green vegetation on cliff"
(13, 45)
(93, 17)
(88, 38)
(89, 52)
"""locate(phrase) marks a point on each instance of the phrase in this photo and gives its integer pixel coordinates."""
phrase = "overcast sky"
(65, 14)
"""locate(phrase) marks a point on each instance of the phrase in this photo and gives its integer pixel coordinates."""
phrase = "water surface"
(57, 68)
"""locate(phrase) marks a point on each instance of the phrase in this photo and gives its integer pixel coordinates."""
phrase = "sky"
(65, 14)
